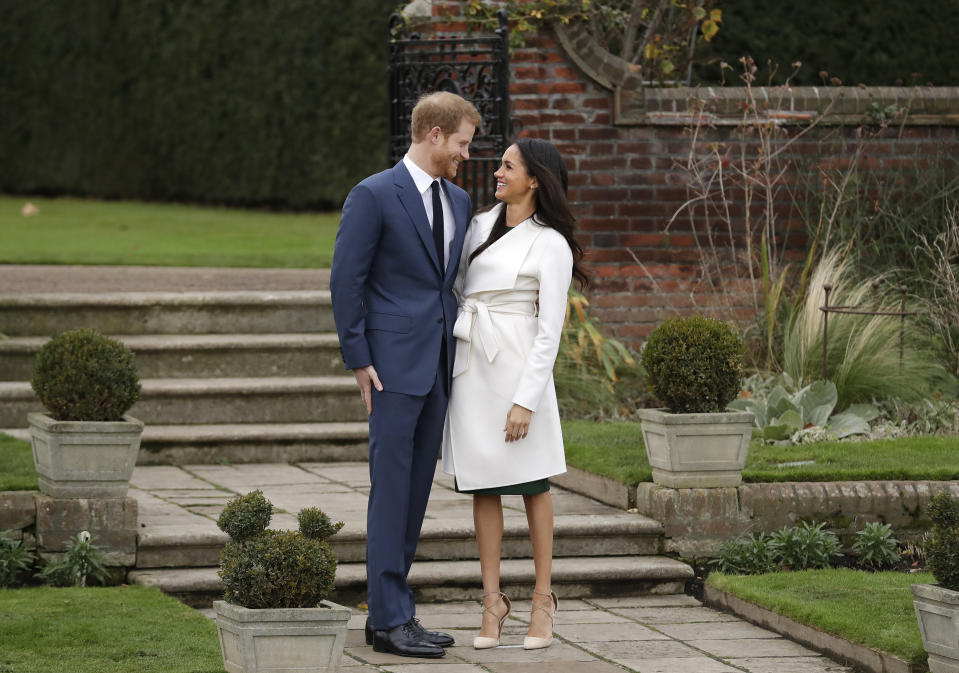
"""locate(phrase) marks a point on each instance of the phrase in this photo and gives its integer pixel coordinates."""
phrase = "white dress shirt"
(423, 183)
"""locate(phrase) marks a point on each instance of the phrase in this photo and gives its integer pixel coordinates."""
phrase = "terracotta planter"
(281, 640)
(696, 450)
(937, 610)
(84, 459)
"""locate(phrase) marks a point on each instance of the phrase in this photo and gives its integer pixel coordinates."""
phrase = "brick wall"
(626, 145)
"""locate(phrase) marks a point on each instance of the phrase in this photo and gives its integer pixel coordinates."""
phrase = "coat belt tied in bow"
(474, 310)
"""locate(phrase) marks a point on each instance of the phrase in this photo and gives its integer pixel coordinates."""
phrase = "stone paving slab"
(643, 634)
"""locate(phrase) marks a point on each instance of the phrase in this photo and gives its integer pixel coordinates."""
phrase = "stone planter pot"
(84, 459)
(696, 450)
(281, 640)
(937, 610)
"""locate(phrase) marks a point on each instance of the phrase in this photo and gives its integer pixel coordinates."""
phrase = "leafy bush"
(82, 375)
(246, 516)
(16, 559)
(875, 546)
(805, 546)
(779, 415)
(276, 569)
(694, 365)
(83, 565)
(942, 546)
(747, 555)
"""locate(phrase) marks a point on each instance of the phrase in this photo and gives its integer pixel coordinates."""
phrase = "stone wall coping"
(635, 104)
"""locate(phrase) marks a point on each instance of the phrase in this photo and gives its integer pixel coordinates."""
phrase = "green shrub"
(16, 559)
(246, 516)
(275, 569)
(747, 555)
(942, 546)
(82, 565)
(245, 103)
(82, 375)
(694, 365)
(805, 546)
(316, 525)
(875, 546)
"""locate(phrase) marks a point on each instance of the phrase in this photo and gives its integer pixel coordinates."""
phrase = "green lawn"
(104, 630)
(616, 450)
(16, 466)
(75, 231)
(873, 609)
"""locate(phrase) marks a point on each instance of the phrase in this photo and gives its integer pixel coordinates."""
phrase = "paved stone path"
(646, 634)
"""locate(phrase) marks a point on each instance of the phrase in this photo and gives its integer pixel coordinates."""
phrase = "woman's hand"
(517, 423)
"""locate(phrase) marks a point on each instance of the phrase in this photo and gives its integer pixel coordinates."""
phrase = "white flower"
(84, 536)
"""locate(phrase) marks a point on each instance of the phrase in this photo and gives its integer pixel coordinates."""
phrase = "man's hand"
(517, 423)
(366, 378)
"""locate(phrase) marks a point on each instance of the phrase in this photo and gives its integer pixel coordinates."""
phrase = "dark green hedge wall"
(873, 42)
(259, 102)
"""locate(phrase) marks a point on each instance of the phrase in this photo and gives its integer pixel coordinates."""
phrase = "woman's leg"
(539, 514)
(488, 520)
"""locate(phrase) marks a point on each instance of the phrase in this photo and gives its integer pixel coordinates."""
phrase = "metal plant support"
(476, 68)
(856, 310)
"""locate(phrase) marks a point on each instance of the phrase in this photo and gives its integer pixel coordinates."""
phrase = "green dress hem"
(526, 488)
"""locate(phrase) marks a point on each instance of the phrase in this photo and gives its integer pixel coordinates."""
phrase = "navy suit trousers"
(406, 432)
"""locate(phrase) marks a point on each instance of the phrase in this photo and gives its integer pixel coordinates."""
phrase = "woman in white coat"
(503, 434)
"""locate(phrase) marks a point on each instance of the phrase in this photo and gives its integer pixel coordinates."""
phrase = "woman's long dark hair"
(551, 209)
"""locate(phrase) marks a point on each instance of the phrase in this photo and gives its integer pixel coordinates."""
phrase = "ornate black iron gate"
(476, 68)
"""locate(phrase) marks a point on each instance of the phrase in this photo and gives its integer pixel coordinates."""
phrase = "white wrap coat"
(505, 351)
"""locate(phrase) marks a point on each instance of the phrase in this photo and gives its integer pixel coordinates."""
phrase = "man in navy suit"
(394, 263)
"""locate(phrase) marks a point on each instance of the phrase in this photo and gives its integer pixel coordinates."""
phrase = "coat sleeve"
(353, 253)
(555, 270)
(459, 283)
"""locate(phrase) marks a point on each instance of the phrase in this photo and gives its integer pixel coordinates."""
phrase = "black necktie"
(438, 223)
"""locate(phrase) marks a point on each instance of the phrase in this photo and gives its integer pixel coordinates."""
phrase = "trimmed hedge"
(279, 103)
(875, 43)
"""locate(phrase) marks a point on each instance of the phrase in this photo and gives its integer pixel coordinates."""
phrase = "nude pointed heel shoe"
(532, 642)
(485, 642)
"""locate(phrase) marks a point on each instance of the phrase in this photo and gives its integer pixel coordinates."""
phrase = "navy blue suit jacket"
(391, 301)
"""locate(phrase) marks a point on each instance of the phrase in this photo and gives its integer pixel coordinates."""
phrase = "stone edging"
(596, 486)
(874, 661)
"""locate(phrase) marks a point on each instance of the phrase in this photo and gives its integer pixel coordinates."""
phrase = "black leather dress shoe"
(432, 637)
(404, 640)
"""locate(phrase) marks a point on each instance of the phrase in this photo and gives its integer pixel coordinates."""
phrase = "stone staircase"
(226, 376)
(250, 383)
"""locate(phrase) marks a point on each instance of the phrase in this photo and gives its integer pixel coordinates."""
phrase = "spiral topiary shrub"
(942, 546)
(263, 568)
(82, 375)
(694, 365)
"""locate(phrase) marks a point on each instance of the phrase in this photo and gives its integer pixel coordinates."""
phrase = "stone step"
(614, 534)
(219, 401)
(167, 312)
(573, 577)
(254, 443)
(201, 355)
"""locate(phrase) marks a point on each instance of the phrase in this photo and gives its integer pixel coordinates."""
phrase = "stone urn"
(282, 640)
(705, 450)
(84, 459)
(937, 610)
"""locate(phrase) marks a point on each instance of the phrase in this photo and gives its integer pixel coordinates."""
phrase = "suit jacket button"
(440, 321)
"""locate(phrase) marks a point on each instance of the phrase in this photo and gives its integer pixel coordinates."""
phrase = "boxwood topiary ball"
(246, 516)
(942, 545)
(82, 375)
(694, 365)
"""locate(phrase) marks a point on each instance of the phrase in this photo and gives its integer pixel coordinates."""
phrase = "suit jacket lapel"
(412, 202)
(461, 223)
